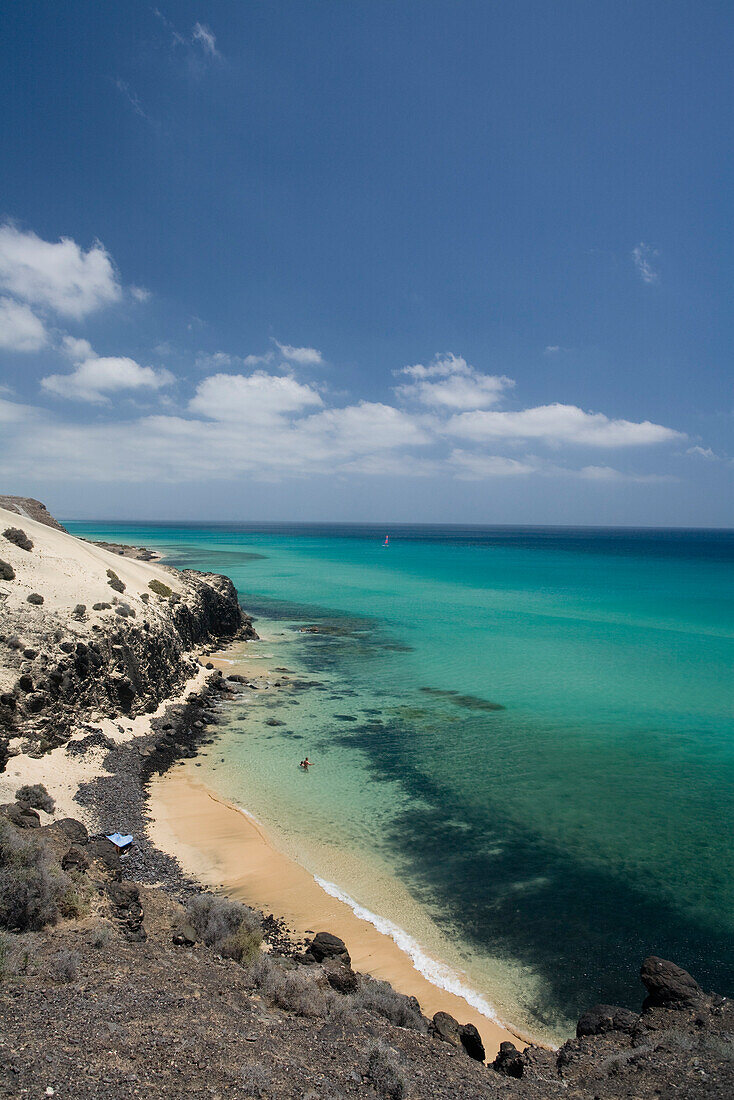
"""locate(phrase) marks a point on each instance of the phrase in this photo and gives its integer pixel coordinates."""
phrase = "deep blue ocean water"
(529, 729)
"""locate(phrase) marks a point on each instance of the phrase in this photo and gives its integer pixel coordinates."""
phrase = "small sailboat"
(387, 541)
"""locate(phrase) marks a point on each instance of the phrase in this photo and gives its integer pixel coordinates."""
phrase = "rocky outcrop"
(31, 509)
(129, 667)
(667, 984)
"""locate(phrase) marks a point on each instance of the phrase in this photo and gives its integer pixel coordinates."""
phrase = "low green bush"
(160, 588)
(114, 581)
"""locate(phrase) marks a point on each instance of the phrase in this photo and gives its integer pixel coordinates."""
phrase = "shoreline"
(228, 849)
(224, 846)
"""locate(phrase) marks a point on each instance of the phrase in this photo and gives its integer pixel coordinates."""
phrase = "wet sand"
(225, 849)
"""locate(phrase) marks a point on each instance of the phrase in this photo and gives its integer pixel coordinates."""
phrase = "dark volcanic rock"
(22, 815)
(602, 1018)
(324, 945)
(667, 984)
(446, 1028)
(509, 1061)
(472, 1043)
(74, 860)
(74, 831)
(340, 978)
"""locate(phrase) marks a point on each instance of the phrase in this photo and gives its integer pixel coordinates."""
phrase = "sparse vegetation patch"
(18, 538)
(36, 795)
(114, 581)
(160, 588)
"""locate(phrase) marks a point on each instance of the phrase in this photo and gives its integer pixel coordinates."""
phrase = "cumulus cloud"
(255, 398)
(305, 357)
(95, 379)
(266, 424)
(57, 275)
(644, 258)
(449, 382)
(556, 424)
(20, 329)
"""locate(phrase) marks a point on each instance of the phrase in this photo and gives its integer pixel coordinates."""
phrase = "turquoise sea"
(524, 741)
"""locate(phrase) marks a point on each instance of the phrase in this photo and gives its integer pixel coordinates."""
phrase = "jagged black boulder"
(667, 984)
(446, 1028)
(324, 945)
(509, 1061)
(472, 1043)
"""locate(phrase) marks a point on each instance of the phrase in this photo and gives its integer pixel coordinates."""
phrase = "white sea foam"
(436, 972)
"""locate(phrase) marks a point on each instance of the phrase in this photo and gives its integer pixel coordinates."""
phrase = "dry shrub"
(385, 1071)
(223, 923)
(36, 795)
(292, 990)
(65, 966)
(256, 1080)
(18, 538)
(381, 999)
(243, 945)
(34, 891)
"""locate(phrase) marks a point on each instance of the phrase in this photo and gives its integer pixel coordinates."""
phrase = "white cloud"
(204, 36)
(701, 452)
(302, 356)
(644, 259)
(20, 329)
(556, 424)
(140, 293)
(366, 427)
(256, 398)
(58, 275)
(77, 349)
(470, 466)
(95, 379)
(270, 426)
(449, 382)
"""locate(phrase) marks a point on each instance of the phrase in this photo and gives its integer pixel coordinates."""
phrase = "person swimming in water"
(306, 763)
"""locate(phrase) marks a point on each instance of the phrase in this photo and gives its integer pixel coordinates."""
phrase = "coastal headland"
(108, 687)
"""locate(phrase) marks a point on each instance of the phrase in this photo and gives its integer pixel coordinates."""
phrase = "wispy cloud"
(204, 36)
(125, 90)
(644, 258)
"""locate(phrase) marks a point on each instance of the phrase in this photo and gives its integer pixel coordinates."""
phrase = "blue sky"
(462, 262)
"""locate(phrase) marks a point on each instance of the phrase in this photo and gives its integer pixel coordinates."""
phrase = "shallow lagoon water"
(529, 730)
